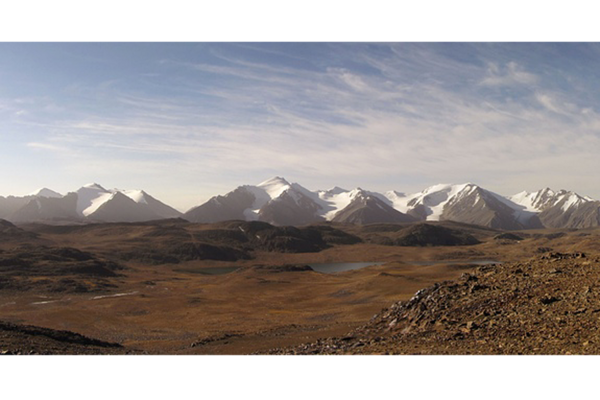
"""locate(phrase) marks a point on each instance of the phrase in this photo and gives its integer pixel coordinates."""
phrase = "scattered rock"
(487, 313)
(549, 299)
(562, 256)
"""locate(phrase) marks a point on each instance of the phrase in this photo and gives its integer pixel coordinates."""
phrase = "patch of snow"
(261, 196)
(139, 196)
(523, 211)
(92, 196)
(113, 295)
(94, 186)
(251, 214)
(97, 202)
(571, 200)
(434, 198)
(335, 190)
(86, 196)
(535, 201)
(336, 201)
(542, 199)
(274, 187)
(45, 192)
(45, 302)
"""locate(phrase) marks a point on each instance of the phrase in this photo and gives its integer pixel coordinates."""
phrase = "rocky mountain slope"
(467, 203)
(584, 215)
(562, 209)
(549, 304)
(274, 201)
(282, 203)
(365, 208)
(90, 203)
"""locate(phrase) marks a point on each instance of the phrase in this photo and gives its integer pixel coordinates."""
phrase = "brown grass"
(166, 310)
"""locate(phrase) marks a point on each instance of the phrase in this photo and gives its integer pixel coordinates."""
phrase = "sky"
(186, 121)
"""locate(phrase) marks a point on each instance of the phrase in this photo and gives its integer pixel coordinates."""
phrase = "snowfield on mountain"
(279, 202)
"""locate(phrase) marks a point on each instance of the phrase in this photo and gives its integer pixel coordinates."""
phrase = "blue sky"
(186, 121)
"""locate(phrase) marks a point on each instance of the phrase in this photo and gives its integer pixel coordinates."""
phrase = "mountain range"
(279, 202)
(90, 203)
(282, 203)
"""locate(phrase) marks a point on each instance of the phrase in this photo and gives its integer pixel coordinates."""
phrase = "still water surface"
(330, 268)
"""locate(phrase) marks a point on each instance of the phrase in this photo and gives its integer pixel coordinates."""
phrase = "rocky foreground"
(17, 339)
(547, 305)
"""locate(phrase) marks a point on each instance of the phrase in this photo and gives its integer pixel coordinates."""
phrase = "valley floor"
(527, 305)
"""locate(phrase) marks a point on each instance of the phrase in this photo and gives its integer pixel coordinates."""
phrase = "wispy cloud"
(396, 116)
(46, 146)
(511, 74)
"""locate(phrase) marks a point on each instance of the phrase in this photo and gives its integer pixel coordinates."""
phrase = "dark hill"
(433, 235)
(284, 239)
(508, 236)
(263, 236)
(9, 232)
(61, 269)
(223, 241)
(20, 339)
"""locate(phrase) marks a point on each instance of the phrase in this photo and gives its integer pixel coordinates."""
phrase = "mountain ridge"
(279, 202)
(90, 203)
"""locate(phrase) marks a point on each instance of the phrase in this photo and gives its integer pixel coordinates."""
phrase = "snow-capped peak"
(394, 194)
(569, 199)
(95, 186)
(263, 193)
(45, 192)
(88, 197)
(535, 201)
(545, 198)
(335, 190)
(274, 186)
(433, 199)
(91, 196)
(139, 196)
(333, 200)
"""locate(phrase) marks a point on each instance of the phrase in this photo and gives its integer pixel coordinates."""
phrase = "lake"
(330, 268)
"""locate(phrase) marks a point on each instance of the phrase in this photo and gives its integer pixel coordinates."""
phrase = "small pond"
(330, 268)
